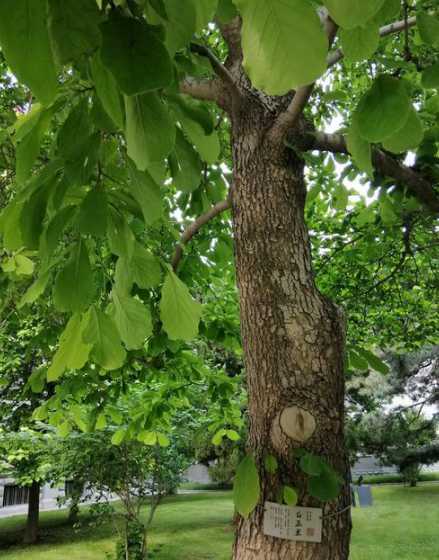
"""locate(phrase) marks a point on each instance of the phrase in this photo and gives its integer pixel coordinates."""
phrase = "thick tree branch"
(289, 118)
(231, 33)
(221, 71)
(385, 164)
(205, 90)
(195, 227)
(395, 27)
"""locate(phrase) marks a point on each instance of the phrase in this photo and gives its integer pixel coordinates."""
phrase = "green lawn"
(402, 525)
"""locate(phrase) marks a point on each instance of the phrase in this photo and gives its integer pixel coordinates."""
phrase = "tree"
(138, 474)
(400, 438)
(26, 455)
(104, 188)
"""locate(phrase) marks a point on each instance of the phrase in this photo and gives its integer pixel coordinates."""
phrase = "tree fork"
(293, 340)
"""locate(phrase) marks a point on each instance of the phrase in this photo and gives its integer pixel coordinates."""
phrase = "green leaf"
(356, 361)
(25, 43)
(145, 268)
(284, 44)
(28, 147)
(408, 137)
(64, 429)
(179, 312)
(271, 464)
(134, 54)
(207, 145)
(428, 26)
(74, 284)
(118, 436)
(430, 77)
(133, 320)
(226, 11)
(107, 90)
(387, 212)
(352, 13)
(93, 215)
(290, 496)
(359, 148)
(73, 29)
(101, 422)
(325, 487)
(147, 194)
(163, 440)
(181, 23)
(24, 266)
(218, 437)
(246, 488)
(72, 352)
(75, 127)
(120, 237)
(383, 110)
(150, 133)
(376, 363)
(360, 43)
(102, 334)
(312, 464)
(233, 435)
(389, 11)
(186, 166)
(148, 438)
(35, 290)
(205, 11)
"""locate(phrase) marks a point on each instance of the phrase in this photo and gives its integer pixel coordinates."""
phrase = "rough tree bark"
(33, 514)
(293, 338)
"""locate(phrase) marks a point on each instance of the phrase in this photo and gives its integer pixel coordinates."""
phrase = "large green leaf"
(133, 320)
(226, 11)
(408, 137)
(374, 361)
(428, 26)
(246, 487)
(179, 312)
(29, 145)
(134, 54)
(120, 236)
(74, 284)
(102, 334)
(352, 13)
(383, 110)
(74, 130)
(359, 148)
(181, 23)
(35, 290)
(430, 76)
(145, 268)
(73, 28)
(290, 496)
(205, 11)
(72, 352)
(186, 166)
(284, 44)
(150, 133)
(93, 216)
(361, 42)
(147, 193)
(25, 43)
(107, 90)
(325, 487)
(312, 464)
(195, 123)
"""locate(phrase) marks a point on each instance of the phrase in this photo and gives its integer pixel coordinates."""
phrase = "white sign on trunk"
(293, 523)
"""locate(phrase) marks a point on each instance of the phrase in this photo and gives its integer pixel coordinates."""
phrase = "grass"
(402, 525)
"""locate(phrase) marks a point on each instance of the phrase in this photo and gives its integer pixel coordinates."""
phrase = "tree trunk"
(293, 341)
(33, 514)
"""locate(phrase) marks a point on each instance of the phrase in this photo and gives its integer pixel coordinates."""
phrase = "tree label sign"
(293, 523)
